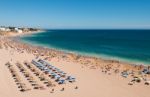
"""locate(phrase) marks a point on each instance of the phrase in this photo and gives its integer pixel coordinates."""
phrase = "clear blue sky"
(76, 13)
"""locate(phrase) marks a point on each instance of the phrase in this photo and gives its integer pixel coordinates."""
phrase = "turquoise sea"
(125, 45)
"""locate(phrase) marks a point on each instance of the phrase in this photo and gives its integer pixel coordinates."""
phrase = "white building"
(2, 29)
(16, 29)
(7, 30)
(19, 31)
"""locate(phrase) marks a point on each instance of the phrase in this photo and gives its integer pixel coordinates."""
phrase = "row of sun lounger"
(28, 76)
(58, 72)
(59, 76)
(22, 86)
(39, 75)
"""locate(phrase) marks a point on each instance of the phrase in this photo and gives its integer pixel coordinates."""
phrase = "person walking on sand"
(76, 87)
(52, 91)
(62, 89)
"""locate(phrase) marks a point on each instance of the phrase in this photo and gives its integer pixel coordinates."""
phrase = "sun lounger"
(53, 72)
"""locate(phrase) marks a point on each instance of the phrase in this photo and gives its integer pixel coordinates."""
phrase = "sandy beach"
(94, 77)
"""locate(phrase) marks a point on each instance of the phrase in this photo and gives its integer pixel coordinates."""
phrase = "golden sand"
(94, 77)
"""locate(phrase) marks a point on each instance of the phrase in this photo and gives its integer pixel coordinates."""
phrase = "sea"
(123, 45)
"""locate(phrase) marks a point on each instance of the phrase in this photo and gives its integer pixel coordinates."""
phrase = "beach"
(94, 77)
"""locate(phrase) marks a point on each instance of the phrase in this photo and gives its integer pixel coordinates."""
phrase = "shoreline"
(130, 64)
(66, 51)
(84, 54)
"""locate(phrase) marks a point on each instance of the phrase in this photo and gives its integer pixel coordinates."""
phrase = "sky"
(70, 14)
